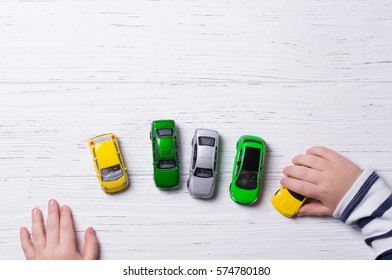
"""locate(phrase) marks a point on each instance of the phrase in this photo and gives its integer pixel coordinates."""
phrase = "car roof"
(102, 150)
(251, 159)
(165, 147)
(205, 157)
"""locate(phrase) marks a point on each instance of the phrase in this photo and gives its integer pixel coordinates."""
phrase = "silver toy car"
(202, 173)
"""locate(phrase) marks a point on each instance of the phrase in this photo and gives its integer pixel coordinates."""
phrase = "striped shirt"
(368, 205)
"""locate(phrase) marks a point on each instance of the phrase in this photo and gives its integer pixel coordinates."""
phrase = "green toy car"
(248, 166)
(163, 136)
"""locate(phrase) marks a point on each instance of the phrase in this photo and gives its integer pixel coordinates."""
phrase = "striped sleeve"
(368, 205)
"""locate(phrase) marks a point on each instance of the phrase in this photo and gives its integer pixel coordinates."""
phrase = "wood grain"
(296, 73)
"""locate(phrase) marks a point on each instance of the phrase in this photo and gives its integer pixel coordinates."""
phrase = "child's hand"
(323, 175)
(59, 240)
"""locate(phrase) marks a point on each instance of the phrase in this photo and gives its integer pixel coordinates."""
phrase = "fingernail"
(51, 202)
(35, 211)
(65, 209)
(91, 231)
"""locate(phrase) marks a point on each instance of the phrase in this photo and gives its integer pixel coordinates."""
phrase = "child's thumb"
(90, 250)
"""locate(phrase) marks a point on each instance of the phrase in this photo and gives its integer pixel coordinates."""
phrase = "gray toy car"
(202, 173)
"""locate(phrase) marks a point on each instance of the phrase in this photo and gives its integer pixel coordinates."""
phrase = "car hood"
(167, 178)
(243, 196)
(201, 187)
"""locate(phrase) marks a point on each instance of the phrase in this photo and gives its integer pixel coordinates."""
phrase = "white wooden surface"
(297, 73)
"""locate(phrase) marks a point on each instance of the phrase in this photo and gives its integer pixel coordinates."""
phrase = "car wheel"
(187, 184)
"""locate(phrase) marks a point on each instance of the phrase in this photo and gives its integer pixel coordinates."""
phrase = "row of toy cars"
(246, 176)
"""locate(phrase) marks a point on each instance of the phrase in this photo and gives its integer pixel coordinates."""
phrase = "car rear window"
(164, 132)
(206, 141)
(166, 164)
(203, 173)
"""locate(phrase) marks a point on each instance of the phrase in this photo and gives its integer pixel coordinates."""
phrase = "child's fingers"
(27, 244)
(301, 187)
(53, 224)
(67, 232)
(90, 250)
(314, 208)
(37, 229)
(311, 161)
(323, 153)
(303, 173)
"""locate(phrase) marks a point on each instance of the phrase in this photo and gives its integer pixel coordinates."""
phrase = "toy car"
(108, 162)
(163, 136)
(202, 172)
(247, 171)
(287, 203)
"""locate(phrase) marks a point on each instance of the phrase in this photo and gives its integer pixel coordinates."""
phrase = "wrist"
(348, 198)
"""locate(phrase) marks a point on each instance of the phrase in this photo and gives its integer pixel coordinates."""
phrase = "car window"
(216, 157)
(207, 141)
(162, 132)
(238, 163)
(203, 173)
(175, 146)
(296, 195)
(111, 173)
(194, 158)
(166, 164)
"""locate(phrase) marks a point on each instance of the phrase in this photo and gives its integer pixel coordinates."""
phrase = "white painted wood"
(297, 73)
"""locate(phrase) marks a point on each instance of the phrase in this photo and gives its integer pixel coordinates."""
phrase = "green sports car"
(163, 136)
(248, 166)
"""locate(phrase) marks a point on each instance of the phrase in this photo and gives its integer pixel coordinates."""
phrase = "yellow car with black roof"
(287, 203)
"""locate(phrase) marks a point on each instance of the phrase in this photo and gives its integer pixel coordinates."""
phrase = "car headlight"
(105, 188)
(125, 183)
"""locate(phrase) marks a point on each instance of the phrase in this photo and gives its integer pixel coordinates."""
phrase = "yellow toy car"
(287, 203)
(108, 162)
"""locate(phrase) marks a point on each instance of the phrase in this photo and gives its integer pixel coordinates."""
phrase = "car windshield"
(111, 173)
(166, 164)
(207, 141)
(247, 180)
(164, 132)
(203, 173)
